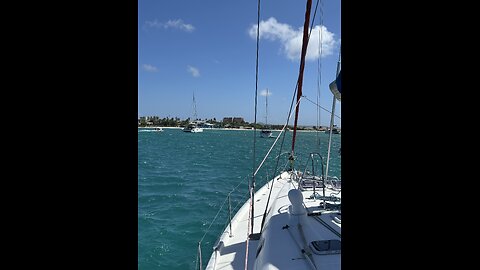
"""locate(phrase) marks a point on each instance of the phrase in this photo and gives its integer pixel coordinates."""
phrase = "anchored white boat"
(294, 220)
(266, 133)
(193, 126)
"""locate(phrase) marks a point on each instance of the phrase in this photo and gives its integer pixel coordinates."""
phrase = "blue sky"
(209, 48)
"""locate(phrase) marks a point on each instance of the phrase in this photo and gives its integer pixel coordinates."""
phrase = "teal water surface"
(184, 178)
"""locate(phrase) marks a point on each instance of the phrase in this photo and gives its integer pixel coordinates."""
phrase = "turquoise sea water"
(184, 178)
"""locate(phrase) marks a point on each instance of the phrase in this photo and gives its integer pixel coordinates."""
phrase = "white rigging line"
(278, 137)
(322, 107)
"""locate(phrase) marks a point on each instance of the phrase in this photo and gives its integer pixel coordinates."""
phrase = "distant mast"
(194, 108)
(266, 109)
(302, 67)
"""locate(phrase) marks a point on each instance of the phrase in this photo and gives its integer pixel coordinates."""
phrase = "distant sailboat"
(266, 133)
(193, 126)
(334, 129)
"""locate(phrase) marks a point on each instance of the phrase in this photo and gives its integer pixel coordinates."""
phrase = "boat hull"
(193, 130)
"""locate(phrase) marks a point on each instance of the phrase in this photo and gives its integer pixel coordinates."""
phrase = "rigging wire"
(319, 68)
(252, 185)
(276, 166)
(319, 106)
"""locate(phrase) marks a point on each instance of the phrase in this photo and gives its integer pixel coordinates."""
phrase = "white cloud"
(194, 71)
(272, 30)
(291, 39)
(149, 68)
(264, 92)
(175, 24)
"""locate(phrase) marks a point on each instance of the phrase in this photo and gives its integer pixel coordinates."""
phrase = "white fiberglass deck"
(282, 241)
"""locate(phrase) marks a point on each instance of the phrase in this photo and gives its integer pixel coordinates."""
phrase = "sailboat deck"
(230, 251)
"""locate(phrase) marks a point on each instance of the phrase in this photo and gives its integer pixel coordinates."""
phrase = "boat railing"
(228, 199)
(240, 193)
(331, 182)
(315, 178)
(236, 194)
(236, 191)
(309, 178)
(311, 160)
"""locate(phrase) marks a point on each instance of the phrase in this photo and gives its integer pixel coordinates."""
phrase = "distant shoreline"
(231, 129)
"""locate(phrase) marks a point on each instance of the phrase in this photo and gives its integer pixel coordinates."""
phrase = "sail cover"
(336, 86)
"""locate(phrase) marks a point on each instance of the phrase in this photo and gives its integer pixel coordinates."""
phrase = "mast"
(194, 108)
(266, 109)
(331, 121)
(302, 67)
